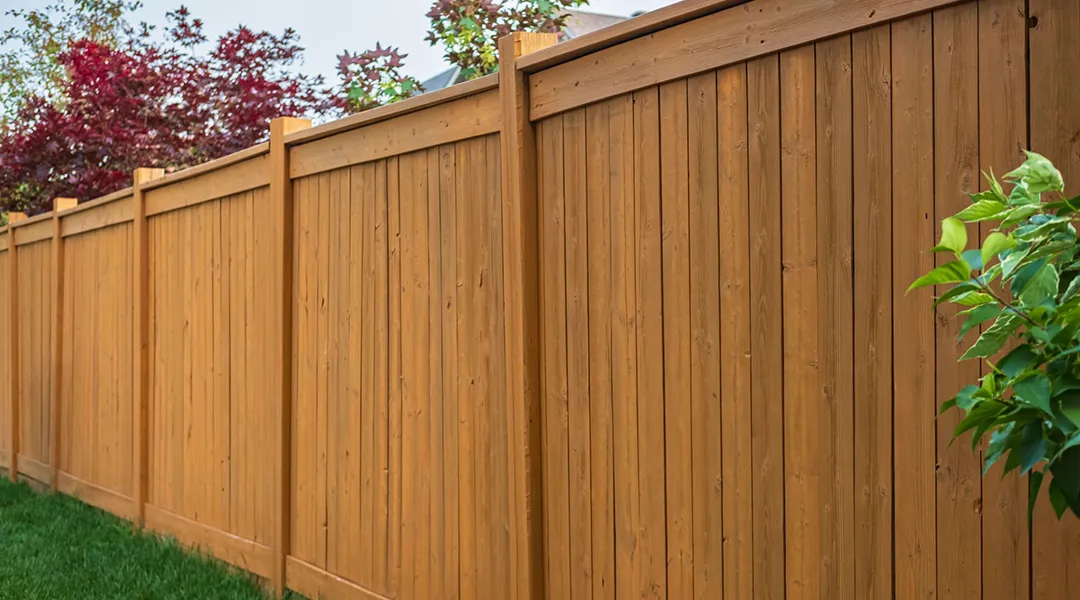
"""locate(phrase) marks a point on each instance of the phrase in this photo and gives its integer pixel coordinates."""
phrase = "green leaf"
(950, 272)
(1032, 446)
(1020, 196)
(1017, 360)
(1000, 441)
(1057, 498)
(979, 315)
(1013, 259)
(973, 258)
(996, 243)
(964, 397)
(1034, 391)
(983, 210)
(1024, 275)
(957, 290)
(1066, 471)
(1070, 292)
(995, 185)
(1017, 215)
(973, 299)
(1034, 483)
(1070, 408)
(993, 338)
(953, 236)
(1043, 286)
(1037, 174)
(983, 412)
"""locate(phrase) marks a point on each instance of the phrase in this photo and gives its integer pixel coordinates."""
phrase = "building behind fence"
(624, 321)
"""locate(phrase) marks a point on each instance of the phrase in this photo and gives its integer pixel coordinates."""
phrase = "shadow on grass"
(53, 547)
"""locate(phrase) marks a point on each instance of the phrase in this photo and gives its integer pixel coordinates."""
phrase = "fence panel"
(6, 319)
(399, 448)
(34, 288)
(210, 475)
(96, 402)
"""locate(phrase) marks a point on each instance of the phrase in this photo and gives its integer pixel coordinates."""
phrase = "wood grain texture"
(835, 205)
(956, 172)
(914, 230)
(872, 181)
(766, 364)
(751, 30)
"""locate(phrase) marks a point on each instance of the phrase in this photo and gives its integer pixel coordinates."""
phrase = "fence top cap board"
(206, 167)
(397, 109)
(34, 219)
(634, 27)
(107, 198)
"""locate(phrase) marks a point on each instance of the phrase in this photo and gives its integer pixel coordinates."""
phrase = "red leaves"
(150, 103)
(373, 78)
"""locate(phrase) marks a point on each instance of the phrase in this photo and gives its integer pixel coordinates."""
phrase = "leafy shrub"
(1023, 287)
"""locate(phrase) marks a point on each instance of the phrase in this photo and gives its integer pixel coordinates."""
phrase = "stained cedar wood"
(448, 309)
(359, 477)
(956, 172)
(650, 341)
(234, 179)
(799, 255)
(914, 406)
(324, 347)
(5, 358)
(599, 313)
(56, 269)
(380, 509)
(318, 583)
(397, 414)
(766, 359)
(478, 351)
(1003, 114)
(624, 358)
(334, 402)
(276, 325)
(836, 317)
(497, 463)
(556, 520)
(577, 352)
(306, 207)
(469, 544)
(705, 343)
(1054, 121)
(676, 340)
(723, 38)
(461, 119)
(872, 171)
(434, 414)
(520, 229)
(737, 471)
(415, 343)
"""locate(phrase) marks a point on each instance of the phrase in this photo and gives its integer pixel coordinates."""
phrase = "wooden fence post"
(280, 335)
(59, 204)
(14, 376)
(140, 357)
(521, 303)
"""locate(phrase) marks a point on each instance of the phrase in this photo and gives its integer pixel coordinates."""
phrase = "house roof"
(578, 23)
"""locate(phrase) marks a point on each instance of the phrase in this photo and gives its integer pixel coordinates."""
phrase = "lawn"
(54, 547)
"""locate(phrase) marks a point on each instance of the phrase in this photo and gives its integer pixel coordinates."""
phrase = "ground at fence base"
(55, 547)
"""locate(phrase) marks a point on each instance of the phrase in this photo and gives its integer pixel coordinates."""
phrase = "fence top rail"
(31, 220)
(207, 167)
(635, 27)
(396, 109)
(96, 202)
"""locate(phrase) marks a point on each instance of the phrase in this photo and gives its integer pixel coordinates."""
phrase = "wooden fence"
(625, 321)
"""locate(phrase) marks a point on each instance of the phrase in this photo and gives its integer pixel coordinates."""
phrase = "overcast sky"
(327, 27)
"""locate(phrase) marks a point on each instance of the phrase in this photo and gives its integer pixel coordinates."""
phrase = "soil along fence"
(626, 320)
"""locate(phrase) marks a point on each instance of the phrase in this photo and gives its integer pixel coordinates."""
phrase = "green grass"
(53, 547)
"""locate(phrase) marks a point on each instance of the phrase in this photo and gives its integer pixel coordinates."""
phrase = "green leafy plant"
(1022, 287)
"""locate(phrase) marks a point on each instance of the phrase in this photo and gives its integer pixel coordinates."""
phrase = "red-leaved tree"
(150, 102)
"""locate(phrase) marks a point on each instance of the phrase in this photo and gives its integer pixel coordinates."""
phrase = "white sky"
(327, 27)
